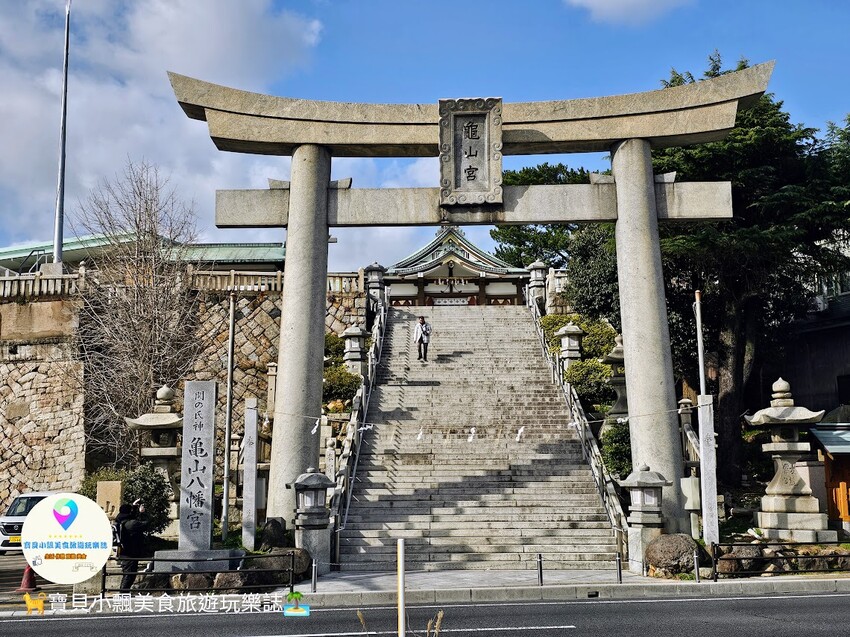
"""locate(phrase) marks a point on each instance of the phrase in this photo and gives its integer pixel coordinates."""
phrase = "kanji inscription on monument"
(198, 460)
(471, 151)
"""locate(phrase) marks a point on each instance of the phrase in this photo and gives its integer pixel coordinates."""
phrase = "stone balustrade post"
(571, 336)
(355, 350)
(537, 283)
(271, 380)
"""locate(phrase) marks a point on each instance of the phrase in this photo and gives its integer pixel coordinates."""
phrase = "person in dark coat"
(131, 523)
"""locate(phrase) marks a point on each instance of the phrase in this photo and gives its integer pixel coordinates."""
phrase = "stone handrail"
(589, 445)
(346, 475)
(39, 285)
(234, 280)
(691, 444)
(240, 281)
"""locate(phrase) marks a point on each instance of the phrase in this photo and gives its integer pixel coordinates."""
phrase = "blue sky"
(120, 104)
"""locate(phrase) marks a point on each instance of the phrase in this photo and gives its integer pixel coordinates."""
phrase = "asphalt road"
(777, 616)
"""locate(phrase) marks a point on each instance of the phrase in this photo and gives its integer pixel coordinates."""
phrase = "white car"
(12, 523)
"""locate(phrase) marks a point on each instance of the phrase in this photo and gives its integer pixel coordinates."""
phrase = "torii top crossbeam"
(246, 122)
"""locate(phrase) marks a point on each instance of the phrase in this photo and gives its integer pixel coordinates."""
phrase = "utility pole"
(59, 217)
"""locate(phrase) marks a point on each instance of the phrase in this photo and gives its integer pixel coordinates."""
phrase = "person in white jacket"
(422, 336)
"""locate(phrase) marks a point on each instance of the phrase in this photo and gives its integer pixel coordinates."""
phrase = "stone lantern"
(616, 360)
(312, 517)
(355, 350)
(163, 453)
(375, 281)
(537, 283)
(645, 488)
(570, 335)
(789, 510)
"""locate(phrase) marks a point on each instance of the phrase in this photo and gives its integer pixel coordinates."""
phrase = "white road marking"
(442, 630)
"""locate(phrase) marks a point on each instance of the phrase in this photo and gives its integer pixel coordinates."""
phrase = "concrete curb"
(581, 592)
(551, 593)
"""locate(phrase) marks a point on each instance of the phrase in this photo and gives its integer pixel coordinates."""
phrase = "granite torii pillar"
(653, 420)
(298, 400)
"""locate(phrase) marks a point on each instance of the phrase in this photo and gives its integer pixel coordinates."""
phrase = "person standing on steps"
(422, 336)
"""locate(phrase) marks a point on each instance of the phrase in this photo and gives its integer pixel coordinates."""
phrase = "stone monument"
(789, 511)
(196, 488)
(249, 475)
(617, 381)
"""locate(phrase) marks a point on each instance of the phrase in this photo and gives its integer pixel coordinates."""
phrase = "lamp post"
(312, 517)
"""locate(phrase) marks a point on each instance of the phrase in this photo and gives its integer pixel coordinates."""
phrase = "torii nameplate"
(471, 151)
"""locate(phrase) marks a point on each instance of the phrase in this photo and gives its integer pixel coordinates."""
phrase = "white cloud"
(121, 106)
(120, 102)
(626, 11)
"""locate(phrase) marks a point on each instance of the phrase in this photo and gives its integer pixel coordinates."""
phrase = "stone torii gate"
(470, 137)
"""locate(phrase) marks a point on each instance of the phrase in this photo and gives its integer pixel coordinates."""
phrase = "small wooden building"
(832, 438)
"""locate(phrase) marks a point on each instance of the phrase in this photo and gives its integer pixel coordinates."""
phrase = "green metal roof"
(79, 248)
(235, 252)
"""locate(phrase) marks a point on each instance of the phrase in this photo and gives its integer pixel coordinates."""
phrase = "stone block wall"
(255, 346)
(345, 310)
(42, 439)
(42, 442)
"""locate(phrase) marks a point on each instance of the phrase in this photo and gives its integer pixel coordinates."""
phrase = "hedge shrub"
(339, 384)
(597, 342)
(588, 379)
(143, 483)
(617, 450)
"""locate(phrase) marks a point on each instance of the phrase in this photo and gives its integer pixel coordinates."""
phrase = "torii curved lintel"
(245, 122)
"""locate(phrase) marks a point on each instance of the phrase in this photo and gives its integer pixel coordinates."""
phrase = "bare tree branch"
(138, 320)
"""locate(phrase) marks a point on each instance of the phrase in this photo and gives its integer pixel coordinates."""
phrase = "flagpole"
(59, 218)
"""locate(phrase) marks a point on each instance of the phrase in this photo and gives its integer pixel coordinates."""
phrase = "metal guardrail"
(350, 456)
(105, 572)
(589, 445)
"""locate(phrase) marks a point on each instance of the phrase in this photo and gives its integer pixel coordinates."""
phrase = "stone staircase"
(490, 498)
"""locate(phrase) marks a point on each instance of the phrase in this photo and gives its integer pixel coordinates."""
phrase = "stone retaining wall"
(42, 442)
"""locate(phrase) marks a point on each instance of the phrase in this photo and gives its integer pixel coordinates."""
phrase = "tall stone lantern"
(616, 360)
(570, 335)
(789, 510)
(163, 453)
(537, 283)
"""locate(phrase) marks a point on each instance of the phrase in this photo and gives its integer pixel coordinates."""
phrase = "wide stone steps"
(523, 536)
(487, 500)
